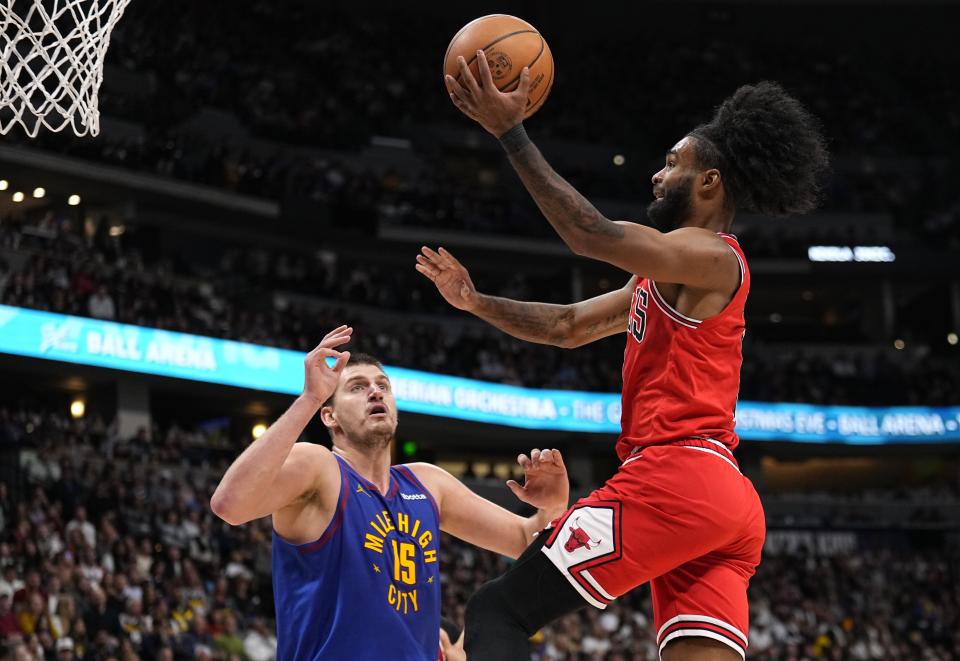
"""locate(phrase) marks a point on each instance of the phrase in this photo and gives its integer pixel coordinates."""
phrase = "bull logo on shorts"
(579, 538)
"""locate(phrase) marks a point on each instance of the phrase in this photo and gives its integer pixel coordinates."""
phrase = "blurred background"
(267, 171)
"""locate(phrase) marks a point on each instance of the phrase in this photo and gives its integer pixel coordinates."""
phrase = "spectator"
(101, 304)
(229, 640)
(10, 583)
(260, 644)
(32, 616)
(65, 650)
(79, 522)
(62, 620)
(9, 624)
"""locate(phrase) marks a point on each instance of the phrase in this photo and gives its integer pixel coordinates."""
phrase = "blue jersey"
(369, 587)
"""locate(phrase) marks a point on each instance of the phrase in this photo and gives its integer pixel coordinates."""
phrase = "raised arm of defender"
(566, 326)
(275, 472)
(476, 520)
(299, 483)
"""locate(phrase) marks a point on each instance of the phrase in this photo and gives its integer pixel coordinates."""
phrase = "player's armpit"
(689, 256)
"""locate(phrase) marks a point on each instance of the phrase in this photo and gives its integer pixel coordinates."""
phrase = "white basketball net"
(53, 52)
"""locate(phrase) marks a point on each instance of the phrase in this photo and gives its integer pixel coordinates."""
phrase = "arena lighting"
(73, 200)
(78, 408)
(39, 191)
(18, 197)
(4, 184)
(258, 430)
(952, 339)
(850, 254)
(618, 159)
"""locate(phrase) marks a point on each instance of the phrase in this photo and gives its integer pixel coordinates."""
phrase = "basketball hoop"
(53, 52)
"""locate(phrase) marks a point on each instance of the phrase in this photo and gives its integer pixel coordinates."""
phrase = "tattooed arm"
(576, 220)
(566, 326)
(689, 256)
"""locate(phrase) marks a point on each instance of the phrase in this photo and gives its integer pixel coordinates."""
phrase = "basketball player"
(356, 540)
(677, 513)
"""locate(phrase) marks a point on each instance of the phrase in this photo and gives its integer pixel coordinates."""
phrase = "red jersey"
(681, 376)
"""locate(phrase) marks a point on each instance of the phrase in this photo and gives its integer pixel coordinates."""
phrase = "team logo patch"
(586, 538)
(587, 533)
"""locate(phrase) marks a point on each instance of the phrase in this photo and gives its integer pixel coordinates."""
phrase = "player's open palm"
(450, 276)
(545, 482)
(319, 378)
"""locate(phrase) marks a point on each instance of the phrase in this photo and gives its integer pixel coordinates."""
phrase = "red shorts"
(678, 515)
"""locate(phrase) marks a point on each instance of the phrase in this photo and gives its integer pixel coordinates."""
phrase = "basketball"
(509, 44)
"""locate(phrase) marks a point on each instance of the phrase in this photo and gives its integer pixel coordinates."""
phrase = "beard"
(372, 439)
(669, 212)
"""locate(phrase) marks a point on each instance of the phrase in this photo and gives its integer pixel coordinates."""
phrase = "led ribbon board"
(179, 355)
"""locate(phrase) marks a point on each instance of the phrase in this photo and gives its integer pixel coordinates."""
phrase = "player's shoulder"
(428, 472)
(712, 247)
(316, 459)
(431, 476)
(311, 451)
(699, 235)
(730, 240)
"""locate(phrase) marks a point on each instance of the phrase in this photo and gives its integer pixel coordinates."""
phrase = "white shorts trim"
(714, 441)
(694, 447)
(703, 618)
(701, 633)
(633, 458)
(587, 535)
(576, 586)
(596, 586)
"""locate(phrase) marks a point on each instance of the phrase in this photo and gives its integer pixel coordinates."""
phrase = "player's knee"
(485, 603)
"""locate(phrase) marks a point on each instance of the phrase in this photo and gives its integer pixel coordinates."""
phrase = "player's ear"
(328, 417)
(710, 179)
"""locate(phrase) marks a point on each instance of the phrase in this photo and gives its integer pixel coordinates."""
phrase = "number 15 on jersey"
(637, 326)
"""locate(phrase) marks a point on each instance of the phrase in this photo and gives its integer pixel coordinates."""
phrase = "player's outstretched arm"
(274, 471)
(476, 520)
(566, 326)
(688, 256)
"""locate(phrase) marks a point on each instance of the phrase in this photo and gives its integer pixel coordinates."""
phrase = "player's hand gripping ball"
(498, 70)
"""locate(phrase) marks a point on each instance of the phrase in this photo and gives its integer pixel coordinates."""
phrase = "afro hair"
(768, 148)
